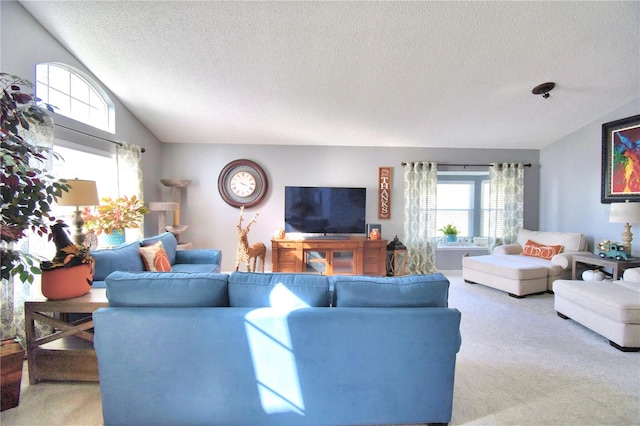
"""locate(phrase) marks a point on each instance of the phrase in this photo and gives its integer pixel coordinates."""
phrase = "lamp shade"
(624, 212)
(81, 193)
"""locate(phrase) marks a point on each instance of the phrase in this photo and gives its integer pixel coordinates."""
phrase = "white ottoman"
(610, 308)
(506, 273)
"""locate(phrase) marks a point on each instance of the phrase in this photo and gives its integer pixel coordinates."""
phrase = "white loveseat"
(610, 308)
(520, 274)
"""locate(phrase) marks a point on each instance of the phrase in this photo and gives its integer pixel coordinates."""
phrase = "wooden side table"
(67, 353)
(617, 266)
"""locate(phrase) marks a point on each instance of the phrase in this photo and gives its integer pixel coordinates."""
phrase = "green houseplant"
(27, 195)
(27, 190)
(114, 215)
(450, 231)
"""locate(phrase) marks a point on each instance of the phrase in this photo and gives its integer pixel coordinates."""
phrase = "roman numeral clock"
(242, 183)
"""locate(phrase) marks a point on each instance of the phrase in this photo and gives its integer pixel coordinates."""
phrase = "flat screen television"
(324, 210)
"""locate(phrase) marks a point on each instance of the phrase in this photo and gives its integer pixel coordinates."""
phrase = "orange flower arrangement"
(114, 214)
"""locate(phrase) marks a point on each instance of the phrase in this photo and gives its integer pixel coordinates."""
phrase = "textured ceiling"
(418, 74)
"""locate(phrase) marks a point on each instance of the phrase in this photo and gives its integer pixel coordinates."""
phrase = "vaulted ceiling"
(417, 74)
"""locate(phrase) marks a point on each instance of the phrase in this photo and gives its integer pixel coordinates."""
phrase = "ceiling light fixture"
(543, 89)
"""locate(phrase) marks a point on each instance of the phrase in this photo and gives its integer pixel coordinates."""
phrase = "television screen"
(325, 210)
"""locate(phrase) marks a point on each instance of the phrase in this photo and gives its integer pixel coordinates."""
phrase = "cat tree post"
(164, 207)
(176, 185)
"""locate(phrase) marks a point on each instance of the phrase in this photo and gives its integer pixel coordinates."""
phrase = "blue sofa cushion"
(258, 290)
(125, 257)
(378, 292)
(209, 256)
(166, 289)
(195, 267)
(168, 241)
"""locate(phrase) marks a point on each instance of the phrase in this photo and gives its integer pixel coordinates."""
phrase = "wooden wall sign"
(384, 192)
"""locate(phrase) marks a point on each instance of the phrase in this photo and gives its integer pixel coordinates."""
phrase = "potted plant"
(70, 273)
(113, 216)
(27, 190)
(451, 232)
(27, 195)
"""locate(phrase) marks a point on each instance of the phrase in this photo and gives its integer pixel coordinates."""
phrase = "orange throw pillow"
(155, 258)
(531, 248)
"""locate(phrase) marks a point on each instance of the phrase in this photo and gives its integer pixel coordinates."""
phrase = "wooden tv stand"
(350, 256)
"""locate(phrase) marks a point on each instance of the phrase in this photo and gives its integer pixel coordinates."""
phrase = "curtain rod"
(93, 136)
(465, 165)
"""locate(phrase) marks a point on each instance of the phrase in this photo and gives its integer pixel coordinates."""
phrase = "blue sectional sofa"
(126, 257)
(276, 349)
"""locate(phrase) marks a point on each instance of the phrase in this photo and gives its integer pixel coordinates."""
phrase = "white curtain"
(506, 193)
(129, 169)
(420, 186)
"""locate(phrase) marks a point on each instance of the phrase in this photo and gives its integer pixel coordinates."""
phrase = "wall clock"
(242, 183)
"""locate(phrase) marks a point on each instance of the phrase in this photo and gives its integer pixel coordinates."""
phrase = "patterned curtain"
(506, 198)
(420, 186)
(129, 169)
(13, 294)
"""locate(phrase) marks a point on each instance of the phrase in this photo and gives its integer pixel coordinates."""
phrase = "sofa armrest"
(631, 274)
(212, 256)
(565, 260)
(508, 249)
(562, 260)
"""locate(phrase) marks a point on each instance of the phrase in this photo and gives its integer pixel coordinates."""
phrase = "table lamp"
(626, 213)
(81, 193)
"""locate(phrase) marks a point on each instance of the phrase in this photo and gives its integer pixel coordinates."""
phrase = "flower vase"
(114, 238)
(452, 238)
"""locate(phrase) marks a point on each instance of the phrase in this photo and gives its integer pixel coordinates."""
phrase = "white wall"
(24, 43)
(570, 183)
(212, 223)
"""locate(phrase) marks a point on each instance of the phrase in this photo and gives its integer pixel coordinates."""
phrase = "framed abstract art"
(621, 160)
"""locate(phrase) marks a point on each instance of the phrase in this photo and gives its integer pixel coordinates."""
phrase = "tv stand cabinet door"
(342, 257)
(286, 256)
(375, 258)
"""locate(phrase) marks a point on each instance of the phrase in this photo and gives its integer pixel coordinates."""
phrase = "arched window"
(74, 95)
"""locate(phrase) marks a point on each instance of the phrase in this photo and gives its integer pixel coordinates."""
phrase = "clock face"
(242, 183)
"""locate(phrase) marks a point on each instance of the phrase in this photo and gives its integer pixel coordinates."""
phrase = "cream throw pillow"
(155, 258)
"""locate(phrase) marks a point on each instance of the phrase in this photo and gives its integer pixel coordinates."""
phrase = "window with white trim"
(74, 95)
(76, 162)
(463, 200)
(79, 163)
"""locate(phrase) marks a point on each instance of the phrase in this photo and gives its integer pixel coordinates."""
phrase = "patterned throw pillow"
(155, 258)
(531, 248)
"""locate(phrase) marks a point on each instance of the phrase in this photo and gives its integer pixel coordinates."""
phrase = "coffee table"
(617, 266)
(67, 353)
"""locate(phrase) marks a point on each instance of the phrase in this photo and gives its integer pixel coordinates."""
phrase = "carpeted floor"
(520, 364)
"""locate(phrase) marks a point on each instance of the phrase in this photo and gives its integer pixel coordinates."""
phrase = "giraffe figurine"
(246, 253)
